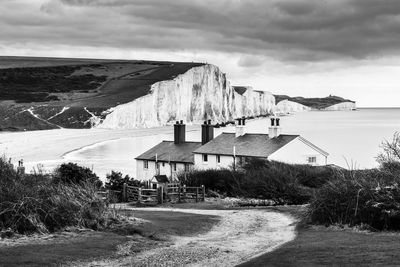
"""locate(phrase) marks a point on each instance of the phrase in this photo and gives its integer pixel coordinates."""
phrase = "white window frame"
(218, 159)
(311, 159)
(205, 158)
(146, 164)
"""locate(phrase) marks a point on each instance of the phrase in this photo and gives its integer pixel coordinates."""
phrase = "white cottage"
(226, 150)
(231, 149)
(171, 157)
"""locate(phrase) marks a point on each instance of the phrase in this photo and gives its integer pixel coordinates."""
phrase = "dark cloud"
(290, 30)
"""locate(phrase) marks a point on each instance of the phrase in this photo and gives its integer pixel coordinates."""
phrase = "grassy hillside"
(315, 103)
(47, 85)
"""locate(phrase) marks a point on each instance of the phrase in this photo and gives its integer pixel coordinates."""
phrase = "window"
(312, 160)
(174, 167)
(218, 159)
(187, 167)
(163, 164)
(146, 164)
(205, 157)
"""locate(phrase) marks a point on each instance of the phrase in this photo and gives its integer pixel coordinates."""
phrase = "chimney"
(274, 130)
(240, 127)
(179, 132)
(207, 132)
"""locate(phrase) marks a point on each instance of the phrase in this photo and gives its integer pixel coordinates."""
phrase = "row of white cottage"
(168, 158)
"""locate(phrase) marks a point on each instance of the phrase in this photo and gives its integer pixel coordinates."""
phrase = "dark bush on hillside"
(115, 183)
(35, 203)
(72, 173)
(367, 197)
(280, 182)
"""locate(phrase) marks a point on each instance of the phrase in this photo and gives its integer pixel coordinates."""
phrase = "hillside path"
(239, 236)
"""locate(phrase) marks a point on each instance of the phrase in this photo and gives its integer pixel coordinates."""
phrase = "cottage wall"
(225, 162)
(297, 152)
(165, 169)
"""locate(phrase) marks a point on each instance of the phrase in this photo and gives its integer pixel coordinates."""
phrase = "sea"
(352, 138)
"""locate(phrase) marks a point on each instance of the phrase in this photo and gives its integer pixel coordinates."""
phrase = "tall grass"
(365, 197)
(36, 203)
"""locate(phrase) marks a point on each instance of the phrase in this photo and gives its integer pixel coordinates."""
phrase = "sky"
(310, 48)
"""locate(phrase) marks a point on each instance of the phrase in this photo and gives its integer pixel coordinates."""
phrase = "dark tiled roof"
(162, 178)
(240, 89)
(169, 151)
(251, 145)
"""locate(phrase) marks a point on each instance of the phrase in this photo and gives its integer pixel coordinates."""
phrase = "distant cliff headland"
(51, 93)
(287, 104)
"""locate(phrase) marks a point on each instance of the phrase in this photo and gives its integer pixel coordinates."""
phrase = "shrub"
(280, 182)
(365, 197)
(36, 203)
(115, 183)
(72, 173)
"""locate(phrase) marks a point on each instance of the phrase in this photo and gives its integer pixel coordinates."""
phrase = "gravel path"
(238, 237)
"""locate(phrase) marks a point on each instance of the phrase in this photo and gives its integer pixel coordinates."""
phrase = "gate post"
(125, 193)
(139, 195)
(197, 194)
(203, 191)
(179, 193)
(160, 194)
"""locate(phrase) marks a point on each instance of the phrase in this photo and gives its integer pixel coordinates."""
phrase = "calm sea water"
(352, 138)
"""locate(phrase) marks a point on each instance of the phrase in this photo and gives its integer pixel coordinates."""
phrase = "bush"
(115, 183)
(280, 182)
(39, 203)
(365, 197)
(71, 173)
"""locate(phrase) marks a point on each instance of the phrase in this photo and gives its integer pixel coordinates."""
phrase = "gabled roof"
(249, 145)
(169, 151)
(161, 179)
(305, 141)
(240, 89)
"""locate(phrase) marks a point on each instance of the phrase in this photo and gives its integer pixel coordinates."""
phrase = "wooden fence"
(173, 192)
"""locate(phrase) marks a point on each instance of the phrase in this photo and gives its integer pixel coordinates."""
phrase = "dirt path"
(238, 237)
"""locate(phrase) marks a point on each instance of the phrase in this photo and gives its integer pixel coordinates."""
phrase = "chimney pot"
(272, 121)
(277, 121)
(181, 121)
(207, 132)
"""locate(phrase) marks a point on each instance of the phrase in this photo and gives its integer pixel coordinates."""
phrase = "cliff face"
(201, 93)
(342, 106)
(251, 103)
(287, 106)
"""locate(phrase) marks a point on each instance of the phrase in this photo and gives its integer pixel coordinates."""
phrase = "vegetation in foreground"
(45, 203)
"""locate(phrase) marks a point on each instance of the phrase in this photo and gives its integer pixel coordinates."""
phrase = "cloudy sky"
(349, 48)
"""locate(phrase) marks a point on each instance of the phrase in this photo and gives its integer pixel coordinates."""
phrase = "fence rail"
(169, 193)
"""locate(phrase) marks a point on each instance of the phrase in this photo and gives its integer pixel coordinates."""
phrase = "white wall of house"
(211, 163)
(146, 174)
(297, 152)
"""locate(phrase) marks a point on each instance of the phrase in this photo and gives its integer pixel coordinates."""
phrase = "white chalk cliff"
(200, 93)
(287, 106)
(342, 106)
